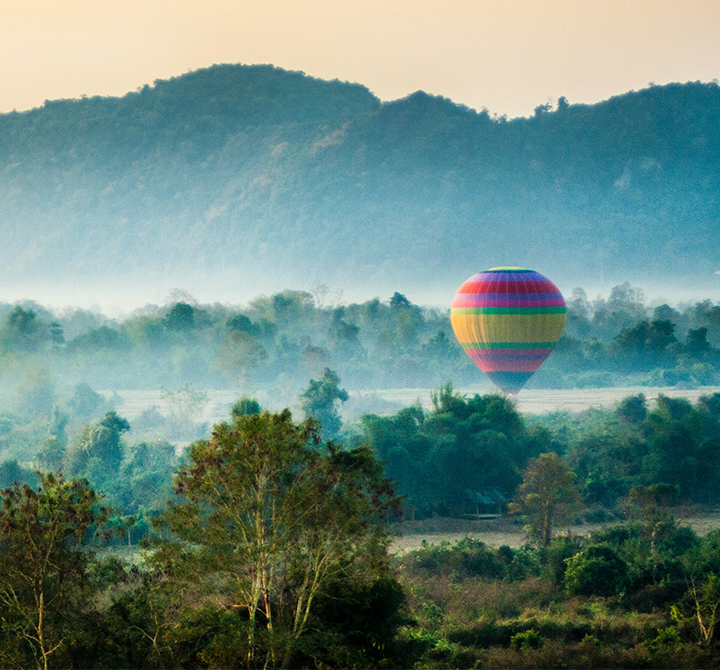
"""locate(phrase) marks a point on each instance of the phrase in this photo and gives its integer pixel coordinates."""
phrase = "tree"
(44, 587)
(23, 331)
(101, 339)
(645, 345)
(697, 344)
(268, 518)
(100, 448)
(239, 354)
(547, 495)
(398, 301)
(181, 317)
(34, 394)
(633, 408)
(650, 505)
(596, 571)
(700, 607)
(86, 402)
(187, 406)
(52, 453)
(319, 401)
(463, 445)
(242, 323)
(245, 406)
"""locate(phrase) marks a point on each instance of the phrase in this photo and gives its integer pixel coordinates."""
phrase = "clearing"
(506, 530)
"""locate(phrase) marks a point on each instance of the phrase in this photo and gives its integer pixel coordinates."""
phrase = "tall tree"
(547, 495)
(239, 354)
(268, 518)
(44, 586)
(319, 401)
(100, 448)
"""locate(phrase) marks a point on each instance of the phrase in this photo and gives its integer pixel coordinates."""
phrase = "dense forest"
(257, 176)
(269, 545)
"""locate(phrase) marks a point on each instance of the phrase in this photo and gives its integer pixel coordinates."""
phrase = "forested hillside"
(260, 178)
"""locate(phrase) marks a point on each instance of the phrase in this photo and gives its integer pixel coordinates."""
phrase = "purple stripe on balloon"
(507, 302)
(509, 276)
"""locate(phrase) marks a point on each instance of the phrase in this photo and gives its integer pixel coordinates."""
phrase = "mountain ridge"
(266, 178)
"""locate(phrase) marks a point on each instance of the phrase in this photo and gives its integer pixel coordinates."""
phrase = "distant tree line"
(279, 342)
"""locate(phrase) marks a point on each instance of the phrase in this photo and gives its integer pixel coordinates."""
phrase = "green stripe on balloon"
(507, 345)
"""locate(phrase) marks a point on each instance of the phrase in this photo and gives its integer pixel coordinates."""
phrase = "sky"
(507, 56)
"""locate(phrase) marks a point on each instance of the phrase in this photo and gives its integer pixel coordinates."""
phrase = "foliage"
(465, 620)
(272, 516)
(547, 495)
(319, 402)
(529, 639)
(245, 406)
(255, 504)
(99, 452)
(44, 591)
(86, 402)
(277, 343)
(596, 571)
(186, 406)
(464, 447)
(467, 558)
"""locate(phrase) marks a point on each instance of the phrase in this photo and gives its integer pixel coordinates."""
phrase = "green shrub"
(596, 571)
(555, 557)
(529, 639)
(667, 639)
(467, 558)
(525, 563)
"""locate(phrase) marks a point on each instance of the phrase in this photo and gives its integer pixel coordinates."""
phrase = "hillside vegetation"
(235, 173)
(267, 546)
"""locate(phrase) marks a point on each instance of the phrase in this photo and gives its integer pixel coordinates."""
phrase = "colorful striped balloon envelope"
(508, 320)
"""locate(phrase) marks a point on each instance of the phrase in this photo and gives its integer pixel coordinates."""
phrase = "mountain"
(245, 179)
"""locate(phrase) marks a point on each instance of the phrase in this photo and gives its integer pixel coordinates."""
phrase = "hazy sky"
(506, 55)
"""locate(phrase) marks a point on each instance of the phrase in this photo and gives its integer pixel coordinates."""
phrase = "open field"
(508, 530)
(537, 401)
(493, 532)
(534, 401)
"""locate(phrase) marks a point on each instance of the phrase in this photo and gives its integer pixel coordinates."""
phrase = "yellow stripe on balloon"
(519, 328)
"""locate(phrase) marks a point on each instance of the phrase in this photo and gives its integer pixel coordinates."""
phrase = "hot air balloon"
(508, 320)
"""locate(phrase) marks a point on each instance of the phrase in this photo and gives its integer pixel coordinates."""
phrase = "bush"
(556, 555)
(530, 639)
(596, 571)
(467, 558)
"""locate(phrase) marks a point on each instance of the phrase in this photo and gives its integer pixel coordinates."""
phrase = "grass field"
(382, 401)
(508, 530)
